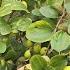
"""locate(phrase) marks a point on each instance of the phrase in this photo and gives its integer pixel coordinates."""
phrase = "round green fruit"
(67, 68)
(20, 60)
(37, 48)
(27, 54)
(27, 43)
(43, 51)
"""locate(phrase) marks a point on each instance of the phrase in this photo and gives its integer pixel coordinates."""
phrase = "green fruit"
(20, 60)
(27, 43)
(27, 54)
(37, 48)
(43, 51)
(67, 68)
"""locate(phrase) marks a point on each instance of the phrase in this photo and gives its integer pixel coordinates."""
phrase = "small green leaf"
(21, 24)
(39, 63)
(39, 31)
(48, 12)
(8, 5)
(18, 5)
(36, 12)
(2, 47)
(4, 27)
(5, 10)
(60, 41)
(58, 62)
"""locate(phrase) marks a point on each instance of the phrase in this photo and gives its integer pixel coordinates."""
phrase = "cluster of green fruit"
(34, 48)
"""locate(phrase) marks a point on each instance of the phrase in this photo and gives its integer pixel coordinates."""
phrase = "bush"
(34, 33)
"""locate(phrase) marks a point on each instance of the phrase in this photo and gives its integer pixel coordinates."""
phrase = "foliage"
(35, 32)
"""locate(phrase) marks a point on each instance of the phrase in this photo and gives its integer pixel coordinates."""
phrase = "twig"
(59, 21)
(55, 30)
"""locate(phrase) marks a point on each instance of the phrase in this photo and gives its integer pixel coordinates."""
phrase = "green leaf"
(66, 1)
(2, 47)
(9, 5)
(58, 62)
(21, 24)
(48, 12)
(4, 27)
(67, 6)
(17, 5)
(60, 41)
(55, 2)
(36, 12)
(39, 31)
(39, 63)
(5, 10)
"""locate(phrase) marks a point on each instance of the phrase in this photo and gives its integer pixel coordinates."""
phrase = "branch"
(55, 30)
(59, 21)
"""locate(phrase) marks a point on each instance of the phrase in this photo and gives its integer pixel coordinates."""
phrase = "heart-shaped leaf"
(2, 47)
(60, 41)
(4, 27)
(48, 12)
(8, 5)
(39, 31)
(58, 62)
(39, 63)
(21, 24)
